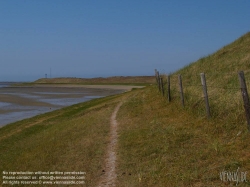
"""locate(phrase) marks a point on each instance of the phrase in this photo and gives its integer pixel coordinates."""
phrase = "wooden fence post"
(156, 77)
(204, 85)
(181, 90)
(160, 79)
(245, 97)
(162, 87)
(169, 96)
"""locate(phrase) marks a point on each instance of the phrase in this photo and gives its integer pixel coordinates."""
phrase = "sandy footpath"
(108, 179)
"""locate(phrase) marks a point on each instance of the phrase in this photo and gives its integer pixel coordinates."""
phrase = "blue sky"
(100, 38)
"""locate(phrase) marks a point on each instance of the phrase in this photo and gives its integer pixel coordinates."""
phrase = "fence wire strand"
(219, 93)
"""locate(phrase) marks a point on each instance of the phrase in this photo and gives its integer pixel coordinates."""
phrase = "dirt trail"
(109, 177)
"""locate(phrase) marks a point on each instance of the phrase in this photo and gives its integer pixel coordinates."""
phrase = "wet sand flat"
(18, 103)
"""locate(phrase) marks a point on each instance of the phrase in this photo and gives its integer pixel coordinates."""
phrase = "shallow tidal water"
(17, 103)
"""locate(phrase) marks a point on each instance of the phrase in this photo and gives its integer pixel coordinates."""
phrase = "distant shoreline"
(113, 87)
(99, 80)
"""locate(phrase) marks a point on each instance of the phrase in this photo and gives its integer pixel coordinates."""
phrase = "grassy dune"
(221, 70)
(164, 144)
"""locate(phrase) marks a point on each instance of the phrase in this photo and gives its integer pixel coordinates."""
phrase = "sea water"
(26, 102)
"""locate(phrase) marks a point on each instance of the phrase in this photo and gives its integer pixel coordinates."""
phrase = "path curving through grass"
(109, 177)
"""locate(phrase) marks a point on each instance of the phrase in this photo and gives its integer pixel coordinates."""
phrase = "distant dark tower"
(50, 72)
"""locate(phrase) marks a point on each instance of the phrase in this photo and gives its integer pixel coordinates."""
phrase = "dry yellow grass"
(162, 144)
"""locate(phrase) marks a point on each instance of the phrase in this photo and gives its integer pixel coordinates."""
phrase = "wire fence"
(193, 90)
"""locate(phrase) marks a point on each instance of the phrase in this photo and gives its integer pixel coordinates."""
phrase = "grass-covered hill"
(141, 80)
(165, 144)
(227, 60)
(221, 71)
